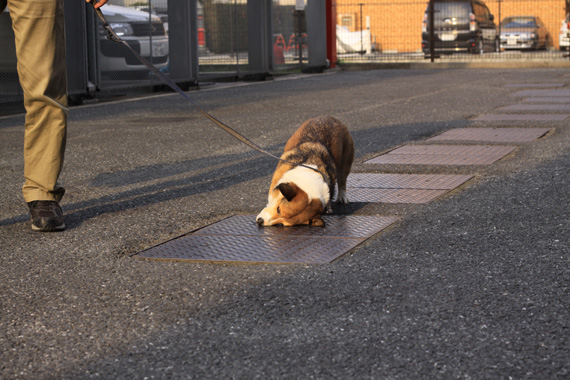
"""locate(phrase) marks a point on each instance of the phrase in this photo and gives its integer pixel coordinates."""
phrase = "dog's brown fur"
(300, 195)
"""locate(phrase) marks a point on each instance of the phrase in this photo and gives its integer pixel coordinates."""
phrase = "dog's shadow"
(347, 208)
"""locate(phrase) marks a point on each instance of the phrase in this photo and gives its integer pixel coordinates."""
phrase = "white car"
(135, 28)
(564, 39)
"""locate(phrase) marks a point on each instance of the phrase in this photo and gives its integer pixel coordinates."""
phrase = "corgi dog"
(299, 195)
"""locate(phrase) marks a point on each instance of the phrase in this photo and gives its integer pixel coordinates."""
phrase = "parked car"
(564, 38)
(154, 11)
(461, 26)
(136, 29)
(524, 32)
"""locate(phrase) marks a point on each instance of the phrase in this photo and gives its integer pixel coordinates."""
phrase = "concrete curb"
(358, 66)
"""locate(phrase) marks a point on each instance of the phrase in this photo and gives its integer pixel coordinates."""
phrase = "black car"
(460, 26)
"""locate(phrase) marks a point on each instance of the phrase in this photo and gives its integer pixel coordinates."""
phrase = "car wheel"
(480, 48)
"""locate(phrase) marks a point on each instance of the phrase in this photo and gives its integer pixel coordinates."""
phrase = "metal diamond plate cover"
(414, 196)
(339, 226)
(554, 93)
(432, 159)
(525, 117)
(537, 85)
(513, 135)
(535, 108)
(239, 239)
(560, 99)
(406, 181)
(252, 249)
(453, 150)
(443, 155)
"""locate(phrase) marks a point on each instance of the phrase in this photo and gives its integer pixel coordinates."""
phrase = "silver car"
(131, 25)
(146, 36)
(523, 32)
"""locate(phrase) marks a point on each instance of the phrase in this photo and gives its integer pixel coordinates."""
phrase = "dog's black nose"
(260, 221)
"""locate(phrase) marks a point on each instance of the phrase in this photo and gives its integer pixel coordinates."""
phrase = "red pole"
(331, 32)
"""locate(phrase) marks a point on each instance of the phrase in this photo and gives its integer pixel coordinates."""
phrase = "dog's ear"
(289, 190)
(317, 222)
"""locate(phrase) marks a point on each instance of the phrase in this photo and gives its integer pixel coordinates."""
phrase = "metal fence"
(188, 40)
(290, 39)
(403, 30)
(191, 40)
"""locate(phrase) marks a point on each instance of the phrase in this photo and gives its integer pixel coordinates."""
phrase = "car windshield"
(452, 10)
(519, 22)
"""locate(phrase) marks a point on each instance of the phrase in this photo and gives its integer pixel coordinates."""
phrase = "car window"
(518, 22)
(479, 11)
(452, 10)
(487, 12)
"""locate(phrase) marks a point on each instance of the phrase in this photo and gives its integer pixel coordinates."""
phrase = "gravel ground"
(472, 286)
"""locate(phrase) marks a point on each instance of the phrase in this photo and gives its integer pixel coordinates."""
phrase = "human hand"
(98, 4)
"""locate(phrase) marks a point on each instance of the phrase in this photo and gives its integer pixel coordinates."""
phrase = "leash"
(111, 35)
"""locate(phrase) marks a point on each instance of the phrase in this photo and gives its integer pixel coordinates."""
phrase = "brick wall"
(396, 25)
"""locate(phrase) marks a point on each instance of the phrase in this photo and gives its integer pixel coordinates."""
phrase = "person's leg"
(40, 49)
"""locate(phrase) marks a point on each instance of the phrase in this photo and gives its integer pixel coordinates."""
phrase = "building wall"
(396, 25)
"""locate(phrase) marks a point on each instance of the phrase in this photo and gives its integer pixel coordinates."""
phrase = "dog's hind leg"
(342, 197)
(342, 176)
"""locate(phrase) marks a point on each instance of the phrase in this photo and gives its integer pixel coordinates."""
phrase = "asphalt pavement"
(474, 285)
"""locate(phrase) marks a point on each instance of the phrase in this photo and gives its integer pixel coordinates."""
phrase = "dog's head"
(289, 205)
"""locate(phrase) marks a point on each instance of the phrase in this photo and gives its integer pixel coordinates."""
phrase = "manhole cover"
(535, 108)
(401, 188)
(443, 155)
(336, 226)
(537, 85)
(561, 99)
(253, 249)
(411, 196)
(525, 117)
(239, 239)
(407, 181)
(454, 150)
(554, 93)
(513, 135)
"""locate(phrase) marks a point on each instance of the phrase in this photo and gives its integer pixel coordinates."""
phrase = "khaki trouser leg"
(40, 49)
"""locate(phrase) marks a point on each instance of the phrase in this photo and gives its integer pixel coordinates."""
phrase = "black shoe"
(46, 216)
